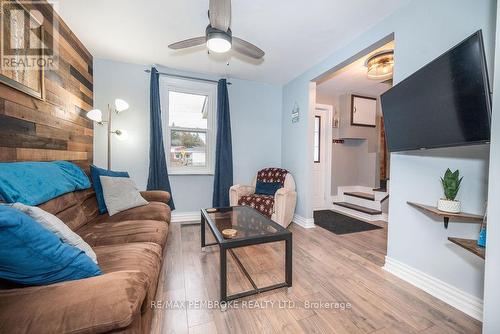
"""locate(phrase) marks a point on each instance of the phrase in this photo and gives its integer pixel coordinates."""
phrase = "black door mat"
(340, 224)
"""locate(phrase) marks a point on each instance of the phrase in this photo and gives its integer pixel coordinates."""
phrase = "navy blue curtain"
(223, 179)
(158, 175)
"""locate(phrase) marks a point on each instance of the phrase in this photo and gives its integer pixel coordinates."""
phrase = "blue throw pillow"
(32, 255)
(33, 183)
(96, 172)
(267, 188)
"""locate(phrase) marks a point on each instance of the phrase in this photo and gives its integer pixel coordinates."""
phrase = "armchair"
(280, 207)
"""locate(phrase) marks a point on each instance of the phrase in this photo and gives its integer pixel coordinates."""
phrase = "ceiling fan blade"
(220, 14)
(187, 43)
(247, 48)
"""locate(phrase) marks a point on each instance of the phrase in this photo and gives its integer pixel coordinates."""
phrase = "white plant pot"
(449, 206)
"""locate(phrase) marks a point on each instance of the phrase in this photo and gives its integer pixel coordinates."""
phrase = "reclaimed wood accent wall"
(54, 127)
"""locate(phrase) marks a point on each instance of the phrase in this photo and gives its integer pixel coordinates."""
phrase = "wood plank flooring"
(326, 268)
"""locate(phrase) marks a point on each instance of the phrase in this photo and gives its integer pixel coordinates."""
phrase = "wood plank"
(68, 96)
(31, 154)
(51, 132)
(81, 138)
(469, 245)
(77, 75)
(7, 154)
(358, 208)
(16, 125)
(82, 147)
(358, 194)
(56, 119)
(9, 139)
(459, 217)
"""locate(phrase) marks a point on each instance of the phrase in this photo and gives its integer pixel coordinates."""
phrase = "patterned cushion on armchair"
(264, 203)
(272, 175)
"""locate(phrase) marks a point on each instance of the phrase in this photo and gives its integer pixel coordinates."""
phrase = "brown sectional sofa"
(129, 248)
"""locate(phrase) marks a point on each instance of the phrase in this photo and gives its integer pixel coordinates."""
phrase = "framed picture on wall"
(363, 111)
(22, 64)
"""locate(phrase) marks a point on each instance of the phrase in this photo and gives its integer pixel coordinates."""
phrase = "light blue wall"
(423, 30)
(255, 122)
(491, 322)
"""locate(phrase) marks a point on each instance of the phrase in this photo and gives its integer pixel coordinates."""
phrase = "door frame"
(326, 169)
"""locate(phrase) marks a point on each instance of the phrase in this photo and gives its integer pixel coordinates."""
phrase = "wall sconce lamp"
(96, 116)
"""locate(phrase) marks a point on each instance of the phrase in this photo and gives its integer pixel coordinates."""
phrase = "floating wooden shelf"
(458, 217)
(470, 245)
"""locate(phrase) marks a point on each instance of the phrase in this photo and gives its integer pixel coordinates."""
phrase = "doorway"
(353, 178)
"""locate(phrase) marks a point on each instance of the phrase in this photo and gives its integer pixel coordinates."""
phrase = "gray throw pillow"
(120, 194)
(56, 226)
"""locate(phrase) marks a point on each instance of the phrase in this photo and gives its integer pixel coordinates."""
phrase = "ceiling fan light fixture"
(380, 65)
(218, 41)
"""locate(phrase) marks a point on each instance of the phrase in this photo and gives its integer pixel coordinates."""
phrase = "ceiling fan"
(218, 35)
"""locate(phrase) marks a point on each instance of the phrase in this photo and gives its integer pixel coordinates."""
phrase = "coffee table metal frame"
(227, 245)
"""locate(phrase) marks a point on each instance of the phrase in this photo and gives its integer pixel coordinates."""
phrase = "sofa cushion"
(32, 255)
(74, 209)
(57, 226)
(156, 196)
(145, 257)
(99, 304)
(110, 233)
(152, 211)
(262, 203)
(96, 173)
(120, 194)
(267, 188)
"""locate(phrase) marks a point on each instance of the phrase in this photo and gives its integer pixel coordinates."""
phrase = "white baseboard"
(459, 299)
(184, 217)
(303, 222)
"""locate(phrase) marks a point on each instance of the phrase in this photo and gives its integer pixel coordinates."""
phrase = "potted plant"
(451, 185)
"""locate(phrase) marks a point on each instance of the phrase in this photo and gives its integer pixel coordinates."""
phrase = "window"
(188, 110)
(317, 138)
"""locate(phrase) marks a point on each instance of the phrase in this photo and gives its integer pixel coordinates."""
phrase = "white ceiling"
(295, 34)
(352, 79)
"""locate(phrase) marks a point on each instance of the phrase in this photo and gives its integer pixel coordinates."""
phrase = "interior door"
(319, 158)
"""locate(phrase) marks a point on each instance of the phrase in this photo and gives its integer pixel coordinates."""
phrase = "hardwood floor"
(326, 268)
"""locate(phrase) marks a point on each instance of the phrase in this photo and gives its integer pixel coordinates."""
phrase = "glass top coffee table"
(252, 228)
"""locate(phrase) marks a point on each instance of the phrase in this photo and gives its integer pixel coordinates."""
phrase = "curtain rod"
(185, 77)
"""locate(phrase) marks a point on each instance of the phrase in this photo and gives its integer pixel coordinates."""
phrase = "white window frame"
(190, 87)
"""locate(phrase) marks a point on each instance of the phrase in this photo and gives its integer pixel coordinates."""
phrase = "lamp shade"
(121, 105)
(121, 135)
(95, 115)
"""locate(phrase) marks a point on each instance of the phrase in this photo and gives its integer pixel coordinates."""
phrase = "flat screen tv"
(446, 103)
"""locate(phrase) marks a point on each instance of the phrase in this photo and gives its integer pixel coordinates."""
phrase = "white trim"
(459, 299)
(303, 222)
(183, 217)
(327, 171)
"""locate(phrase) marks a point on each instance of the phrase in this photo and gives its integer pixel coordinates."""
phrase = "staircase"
(362, 202)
